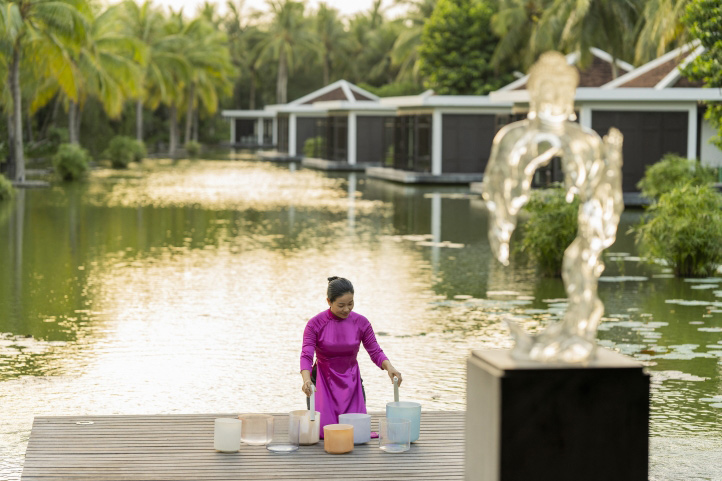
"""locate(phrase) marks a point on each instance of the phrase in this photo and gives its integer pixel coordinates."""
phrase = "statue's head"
(552, 84)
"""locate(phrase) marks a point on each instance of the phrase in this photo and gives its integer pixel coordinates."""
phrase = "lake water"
(184, 287)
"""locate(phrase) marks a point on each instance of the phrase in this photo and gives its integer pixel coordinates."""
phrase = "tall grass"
(550, 227)
(684, 228)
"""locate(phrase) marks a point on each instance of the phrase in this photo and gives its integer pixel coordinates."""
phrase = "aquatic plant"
(550, 227)
(673, 171)
(71, 161)
(684, 229)
(314, 147)
(123, 150)
(6, 189)
(193, 149)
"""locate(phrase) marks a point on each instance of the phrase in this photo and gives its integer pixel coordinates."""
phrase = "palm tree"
(210, 68)
(332, 38)
(406, 47)
(577, 25)
(164, 59)
(660, 27)
(108, 67)
(372, 41)
(516, 23)
(53, 23)
(288, 34)
(244, 39)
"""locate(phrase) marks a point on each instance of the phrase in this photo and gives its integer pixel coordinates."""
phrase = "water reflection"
(169, 288)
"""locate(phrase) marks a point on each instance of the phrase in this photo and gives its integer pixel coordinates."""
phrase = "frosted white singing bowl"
(361, 426)
(257, 429)
(306, 431)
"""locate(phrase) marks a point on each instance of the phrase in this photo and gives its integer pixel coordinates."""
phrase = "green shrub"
(193, 149)
(139, 151)
(123, 150)
(549, 229)
(314, 147)
(6, 188)
(71, 161)
(684, 229)
(673, 171)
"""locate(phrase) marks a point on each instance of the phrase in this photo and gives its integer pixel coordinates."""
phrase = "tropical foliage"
(159, 75)
(550, 227)
(71, 162)
(683, 228)
(704, 20)
(456, 49)
(673, 171)
(6, 189)
(123, 150)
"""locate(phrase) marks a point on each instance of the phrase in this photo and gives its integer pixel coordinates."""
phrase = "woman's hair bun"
(331, 279)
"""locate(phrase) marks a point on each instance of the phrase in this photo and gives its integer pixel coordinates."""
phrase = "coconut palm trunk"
(17, 166)
(195, 125)
(139, 120)
(189, 113)
(73, 122)
(173, 143)
(282, 80)
(252, 92)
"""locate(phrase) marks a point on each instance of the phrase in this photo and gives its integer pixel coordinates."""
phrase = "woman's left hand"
(391, 370)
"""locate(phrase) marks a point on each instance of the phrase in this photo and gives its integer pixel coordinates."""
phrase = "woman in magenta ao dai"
(335, 336)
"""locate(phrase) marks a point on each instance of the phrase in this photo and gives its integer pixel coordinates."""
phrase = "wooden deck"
(180, 447)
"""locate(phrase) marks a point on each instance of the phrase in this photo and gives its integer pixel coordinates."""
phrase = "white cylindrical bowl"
(227, 435)
(361, 423)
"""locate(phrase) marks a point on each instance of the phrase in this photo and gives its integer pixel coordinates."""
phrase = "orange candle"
(338, 438)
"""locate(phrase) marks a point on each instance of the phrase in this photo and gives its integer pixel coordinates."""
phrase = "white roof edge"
(630, 95)
(571, 60)
(642, 69)
(357, 105)
(363, 92)
(671, 78)
(607, 57)
(240, 113)
(344, 85)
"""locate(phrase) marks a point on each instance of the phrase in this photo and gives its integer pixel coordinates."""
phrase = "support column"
(233, 131)
(692, 132)
(585, 116)
(351, 141)
(292, 135)
(436, 142)
(260, 130)
(275, 131)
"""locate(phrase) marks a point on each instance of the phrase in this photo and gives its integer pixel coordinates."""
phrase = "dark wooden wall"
(245, 131)
(305, 129)
(282, 133)
(647, 137)
(466, 142)
(370, 145)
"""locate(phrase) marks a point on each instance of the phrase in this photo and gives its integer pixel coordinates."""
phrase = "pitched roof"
(598, 73)
(663, 72)
(339, 90)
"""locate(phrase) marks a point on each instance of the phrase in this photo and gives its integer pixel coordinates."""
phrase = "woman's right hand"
(307, 388)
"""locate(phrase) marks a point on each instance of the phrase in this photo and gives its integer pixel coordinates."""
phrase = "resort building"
(657, 110)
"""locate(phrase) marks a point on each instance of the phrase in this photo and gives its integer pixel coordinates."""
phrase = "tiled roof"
(598, 73)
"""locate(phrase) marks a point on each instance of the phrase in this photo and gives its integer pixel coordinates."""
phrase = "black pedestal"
(558, 422)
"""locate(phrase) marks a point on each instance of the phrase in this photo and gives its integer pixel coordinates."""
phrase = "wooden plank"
(180, 447)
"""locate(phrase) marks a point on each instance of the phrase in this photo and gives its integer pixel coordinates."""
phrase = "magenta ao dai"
(336, 343)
